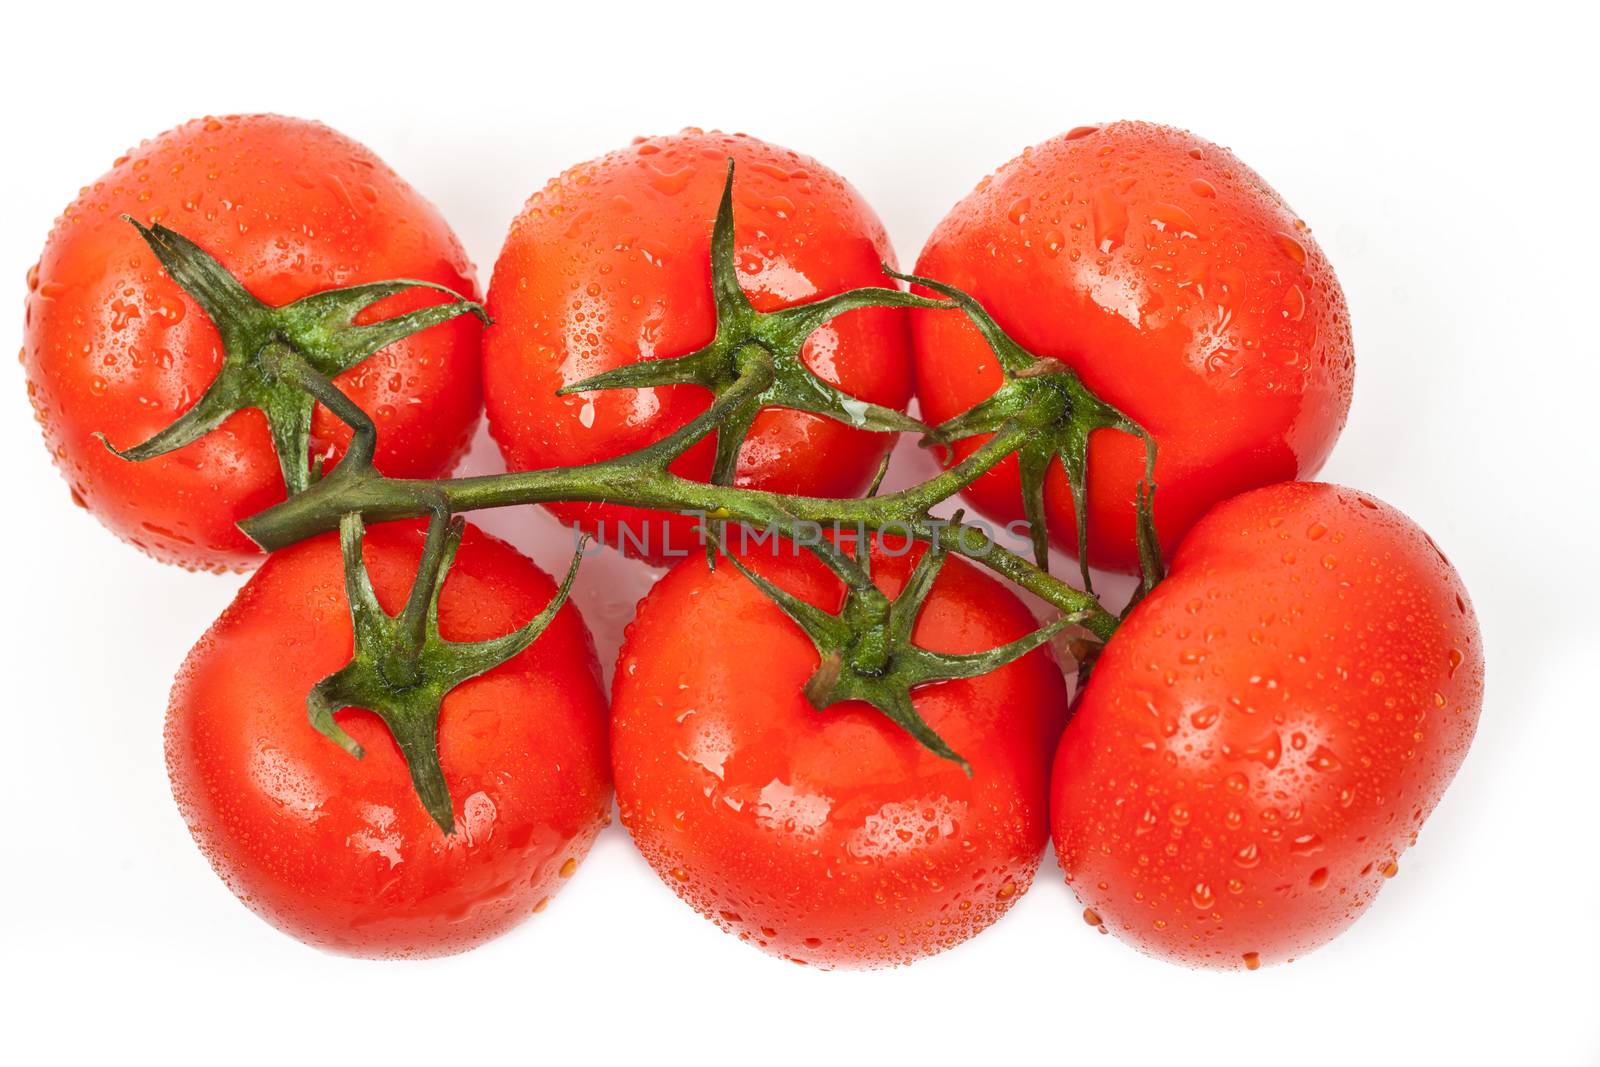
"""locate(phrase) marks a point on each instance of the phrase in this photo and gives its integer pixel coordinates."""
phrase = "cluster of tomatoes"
(1255, 746)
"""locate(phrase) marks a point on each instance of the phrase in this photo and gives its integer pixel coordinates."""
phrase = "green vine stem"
(641, 478)
(283, 361)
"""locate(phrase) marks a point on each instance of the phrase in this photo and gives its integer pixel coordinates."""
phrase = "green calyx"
(782, 334)
(320, 328)
(402, 668)
(866, 649)
(1046, 397)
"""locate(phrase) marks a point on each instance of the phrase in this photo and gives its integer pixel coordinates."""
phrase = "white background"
(1446, 162)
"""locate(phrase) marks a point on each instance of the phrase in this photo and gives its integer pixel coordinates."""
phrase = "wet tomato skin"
(1183, 290)
(829, 838)
(113, 345)
(339, 852)
(609, 264)
(1265, 734)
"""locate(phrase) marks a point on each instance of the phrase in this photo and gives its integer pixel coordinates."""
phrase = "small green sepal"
(782, 334)
(866, 650)
(402, 668)
(1048, 398)
(1151, 566)
(320, 328)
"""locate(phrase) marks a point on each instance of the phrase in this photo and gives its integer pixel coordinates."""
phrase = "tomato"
(340, 852)
(830, 838)
(1184, 292)
(1265, 733)
(609, 264)
(112, 344)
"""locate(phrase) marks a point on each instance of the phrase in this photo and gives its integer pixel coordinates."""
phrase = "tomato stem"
(865, 650)
(283, 361)
(641, 479)
(1061, 413)
(320, 329)
(742, 331)
(402, 667)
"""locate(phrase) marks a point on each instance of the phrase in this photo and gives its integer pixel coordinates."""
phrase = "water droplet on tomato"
(670, 182)
(1266, 750)
(1110, 219)
(1170, 218)
(1306, 845)
(1294, 304)
(1291, 248)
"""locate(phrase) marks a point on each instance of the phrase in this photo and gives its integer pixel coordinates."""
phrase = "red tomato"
(339, 852)
(1180, 287)
(830, 838)
(1264, 735)
(609, 264)
(114, 345)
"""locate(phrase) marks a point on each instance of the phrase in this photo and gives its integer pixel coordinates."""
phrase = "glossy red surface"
(1266, 733)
